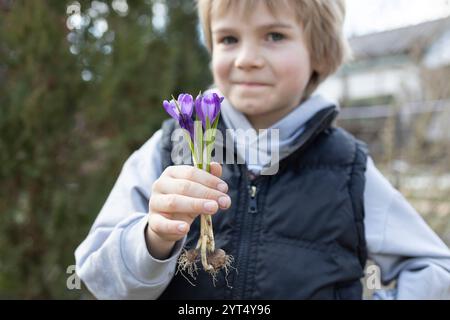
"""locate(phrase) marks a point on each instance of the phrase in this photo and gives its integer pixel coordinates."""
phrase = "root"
(216, 261)
(190, 282)
(213, 260)
(220, 260)
(187, 262)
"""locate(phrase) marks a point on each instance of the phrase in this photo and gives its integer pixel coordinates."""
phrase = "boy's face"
(261, 62)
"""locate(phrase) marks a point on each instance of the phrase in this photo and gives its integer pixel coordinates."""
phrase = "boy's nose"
(249, 58)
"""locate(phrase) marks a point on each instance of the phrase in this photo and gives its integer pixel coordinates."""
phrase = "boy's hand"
(179, 195)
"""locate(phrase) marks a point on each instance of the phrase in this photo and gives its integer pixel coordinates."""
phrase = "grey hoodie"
(114, 263)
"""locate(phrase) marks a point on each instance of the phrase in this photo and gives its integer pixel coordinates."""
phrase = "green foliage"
(63, 140)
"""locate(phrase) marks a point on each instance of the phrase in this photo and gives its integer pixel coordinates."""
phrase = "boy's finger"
(192, 189)
(216, 169)
(197, 175)
(182, 204)
(163, 226)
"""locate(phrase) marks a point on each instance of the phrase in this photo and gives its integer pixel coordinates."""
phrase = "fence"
(410, 144)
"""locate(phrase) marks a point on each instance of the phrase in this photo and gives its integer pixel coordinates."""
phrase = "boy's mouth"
(252, 84)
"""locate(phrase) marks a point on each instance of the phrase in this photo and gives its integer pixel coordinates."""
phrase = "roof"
(405, 40)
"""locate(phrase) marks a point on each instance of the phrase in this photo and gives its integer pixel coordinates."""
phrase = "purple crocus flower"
(181, 110)
(208, 104)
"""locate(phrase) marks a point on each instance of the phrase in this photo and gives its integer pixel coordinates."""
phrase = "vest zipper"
(245, 238)
(252, 204)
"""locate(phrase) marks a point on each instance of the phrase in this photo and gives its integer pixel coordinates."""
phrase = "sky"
(367, 16)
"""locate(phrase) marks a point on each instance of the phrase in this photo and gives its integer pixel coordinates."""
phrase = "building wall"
(402, 82)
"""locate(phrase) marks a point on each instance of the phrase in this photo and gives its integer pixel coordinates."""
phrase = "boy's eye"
(228, 40)
(275, 36)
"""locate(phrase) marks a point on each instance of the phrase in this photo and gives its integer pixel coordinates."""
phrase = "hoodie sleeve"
(113, 261)
(401, 243)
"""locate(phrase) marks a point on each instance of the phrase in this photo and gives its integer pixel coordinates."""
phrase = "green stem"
(206, 239)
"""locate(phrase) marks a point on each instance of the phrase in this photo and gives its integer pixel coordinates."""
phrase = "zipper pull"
(252, 206)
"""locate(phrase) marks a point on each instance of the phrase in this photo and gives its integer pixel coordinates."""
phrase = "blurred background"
(81, 86)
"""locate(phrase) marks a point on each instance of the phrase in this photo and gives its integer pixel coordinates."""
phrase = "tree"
(73, 107)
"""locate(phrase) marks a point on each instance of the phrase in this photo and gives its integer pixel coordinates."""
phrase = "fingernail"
(182, 227)
(210, 206)
(222, 187)
(224, 202)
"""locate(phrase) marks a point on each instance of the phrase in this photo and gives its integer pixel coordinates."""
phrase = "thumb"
(215, 169)
(167, 229)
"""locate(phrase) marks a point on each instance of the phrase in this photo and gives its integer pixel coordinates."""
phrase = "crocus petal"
(208, 105)
(188, 124)
(199, 109)
(171, 109)
(212, 103)
(187, 104)
(217, 102)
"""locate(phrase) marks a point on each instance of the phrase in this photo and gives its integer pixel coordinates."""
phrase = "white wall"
(403, 82)
(439, 53)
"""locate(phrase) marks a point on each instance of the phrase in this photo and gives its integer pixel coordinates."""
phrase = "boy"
(302, 233)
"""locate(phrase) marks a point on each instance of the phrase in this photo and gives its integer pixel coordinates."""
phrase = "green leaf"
(214, 126)
(210, 139)
(176, 104)
(208, 131)
(188, 139)
(198, 145)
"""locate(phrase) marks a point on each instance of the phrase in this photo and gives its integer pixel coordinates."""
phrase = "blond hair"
(322, 21)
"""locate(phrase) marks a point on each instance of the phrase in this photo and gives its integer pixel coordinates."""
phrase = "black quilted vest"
(301, 234)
